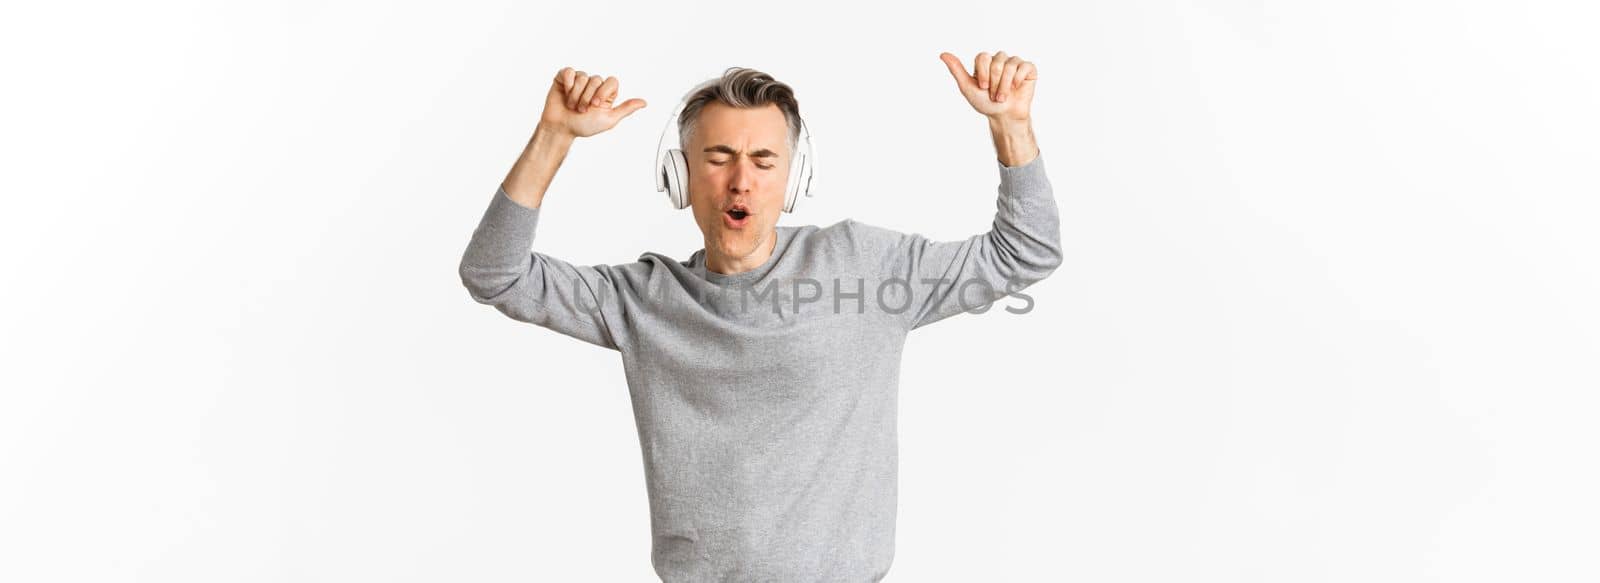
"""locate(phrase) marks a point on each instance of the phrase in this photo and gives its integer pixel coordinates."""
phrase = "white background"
(1327, 314)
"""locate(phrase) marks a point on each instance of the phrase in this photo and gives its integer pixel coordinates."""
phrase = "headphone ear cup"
(798, 177)
(804, 188)
(794, 183)
(675, 171)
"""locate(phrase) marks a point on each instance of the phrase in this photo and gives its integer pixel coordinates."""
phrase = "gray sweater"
(765, 400)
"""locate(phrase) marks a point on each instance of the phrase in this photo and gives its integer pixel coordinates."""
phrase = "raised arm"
(1024, 244)
(498, 267)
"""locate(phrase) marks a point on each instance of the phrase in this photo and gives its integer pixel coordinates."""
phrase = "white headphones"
(672, 167)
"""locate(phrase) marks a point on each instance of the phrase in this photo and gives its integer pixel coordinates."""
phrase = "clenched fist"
(579, 104)
(1001, 86)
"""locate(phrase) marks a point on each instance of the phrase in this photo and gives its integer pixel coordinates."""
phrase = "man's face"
(738, 159)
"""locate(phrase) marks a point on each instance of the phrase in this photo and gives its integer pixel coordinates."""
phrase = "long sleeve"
(1022, 248)
(498, 269)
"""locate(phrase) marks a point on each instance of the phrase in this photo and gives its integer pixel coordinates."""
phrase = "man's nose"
(743, 178)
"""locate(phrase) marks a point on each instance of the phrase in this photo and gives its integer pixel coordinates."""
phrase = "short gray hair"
(745, 89)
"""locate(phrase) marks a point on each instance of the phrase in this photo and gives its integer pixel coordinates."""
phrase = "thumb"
(963, 80)
(628, 107)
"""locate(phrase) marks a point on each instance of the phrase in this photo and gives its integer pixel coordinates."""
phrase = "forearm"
(530, 177)
(1013, 141)
(1025, 243)
(499, 270)
(1022, 247)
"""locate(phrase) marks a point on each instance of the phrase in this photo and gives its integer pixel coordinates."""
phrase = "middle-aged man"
(765, 404)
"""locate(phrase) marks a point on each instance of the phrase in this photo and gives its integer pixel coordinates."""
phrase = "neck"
(728, 265)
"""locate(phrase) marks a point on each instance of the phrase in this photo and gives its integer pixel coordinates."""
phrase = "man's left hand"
(1001, 87)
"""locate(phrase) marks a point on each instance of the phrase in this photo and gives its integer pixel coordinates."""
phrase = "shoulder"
(859, 236)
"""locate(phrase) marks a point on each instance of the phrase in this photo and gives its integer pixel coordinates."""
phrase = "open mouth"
(736, 217)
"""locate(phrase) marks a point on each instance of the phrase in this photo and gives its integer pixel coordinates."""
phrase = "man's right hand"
(579, 104)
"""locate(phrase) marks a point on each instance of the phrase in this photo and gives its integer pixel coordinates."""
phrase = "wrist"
(552, 135)
(530, 177)
(548, 142)
(1013, 141)
(1008, 124)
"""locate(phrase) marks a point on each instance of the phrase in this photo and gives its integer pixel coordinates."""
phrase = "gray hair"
(745, 89)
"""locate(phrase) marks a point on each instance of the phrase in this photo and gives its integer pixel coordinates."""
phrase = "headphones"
(672, 167)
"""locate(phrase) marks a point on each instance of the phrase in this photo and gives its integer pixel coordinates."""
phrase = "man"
(766, 415)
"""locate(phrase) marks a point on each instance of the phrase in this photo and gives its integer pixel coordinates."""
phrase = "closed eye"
(767, 167)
